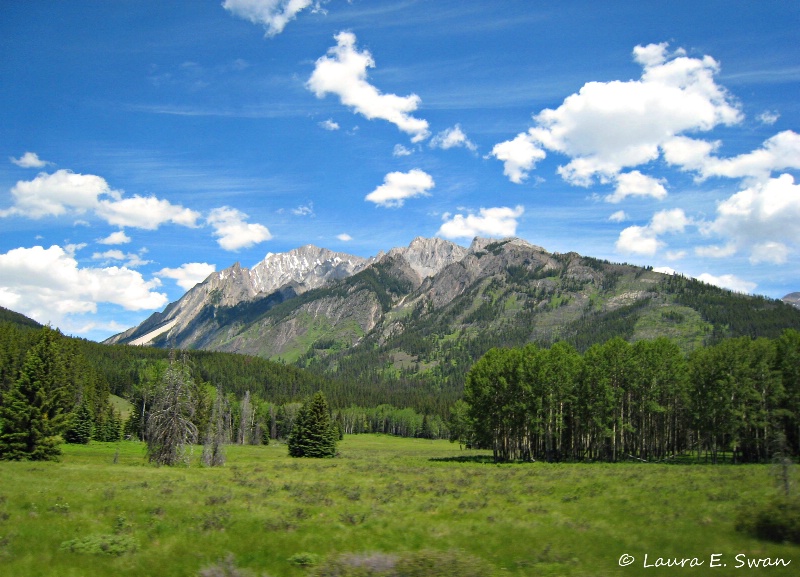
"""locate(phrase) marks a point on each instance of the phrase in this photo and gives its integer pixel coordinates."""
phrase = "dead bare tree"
(170, 429)
(217, 433)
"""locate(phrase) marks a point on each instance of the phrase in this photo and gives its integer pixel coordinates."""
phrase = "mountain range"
(422, 314)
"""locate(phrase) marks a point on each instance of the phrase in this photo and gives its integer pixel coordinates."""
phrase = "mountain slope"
(187, 322)
(420, 315)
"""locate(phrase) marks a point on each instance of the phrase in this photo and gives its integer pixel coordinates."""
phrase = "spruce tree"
(313, 434)
(33, 413)
(82, 426)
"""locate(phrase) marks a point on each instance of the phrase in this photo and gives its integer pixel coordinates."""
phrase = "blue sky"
(144, 144)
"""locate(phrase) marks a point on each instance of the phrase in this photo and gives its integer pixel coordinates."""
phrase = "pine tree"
(33, 413)
(82, 426)
(313, 434)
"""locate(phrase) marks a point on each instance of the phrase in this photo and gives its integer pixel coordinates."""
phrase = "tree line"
(738, 399)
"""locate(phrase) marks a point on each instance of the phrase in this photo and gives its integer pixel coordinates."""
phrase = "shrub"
(102, 545)
(777, 520)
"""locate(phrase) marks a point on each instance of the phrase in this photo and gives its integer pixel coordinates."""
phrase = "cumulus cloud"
(609, 126)
(48, 285)
(65, 192)
(728, 281)
(491, 222)
(644, 240)
(343, 72)
(344, 237)
(398, 186)
(29, 160)
(780, 152)
(452, 138)
(519, 156)
(189, 274)
(274, 15)
(635, 183)
(769, 252)
(57, 194)
(232, 230)
(118, 237)
(329, 125)
(764, 215)
(145, 212)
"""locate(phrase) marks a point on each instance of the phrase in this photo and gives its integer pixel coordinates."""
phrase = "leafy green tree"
(314, 434)
(34, 413)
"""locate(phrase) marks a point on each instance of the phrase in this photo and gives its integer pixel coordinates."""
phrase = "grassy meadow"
(102, 510)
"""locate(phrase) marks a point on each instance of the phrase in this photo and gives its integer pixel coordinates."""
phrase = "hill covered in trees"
(411, 323)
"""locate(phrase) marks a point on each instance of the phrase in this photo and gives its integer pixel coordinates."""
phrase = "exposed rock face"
(428, 256)
(308, 266)
(281, 275)
(793, 299)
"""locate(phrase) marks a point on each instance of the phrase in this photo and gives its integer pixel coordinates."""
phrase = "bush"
(102, 545)
(778, 520)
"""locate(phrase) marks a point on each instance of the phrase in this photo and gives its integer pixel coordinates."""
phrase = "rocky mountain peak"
(792, 299)
(428, 256)
(309, 266)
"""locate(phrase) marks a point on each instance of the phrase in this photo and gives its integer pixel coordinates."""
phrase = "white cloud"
(56, 194)
(452, 138)
(304, 210)
(491, 222)
(644, 240)
(635, 183)
(189, 274)
(344, 237)
(118, 237)
(519, 156)
(343, 72)
(398, 186)
(762, 215)
(65, 192)
(770, 252)
(609, 126)
(715, 251)
(145, 212)
(329, 125)
(130, 259)
(768, 117)
(49, 285)
(274, 15)
(665, 270)
(728, 281)
(233, 232)
(780, 152)
(619, 216)
(29, 160)
(400, 150)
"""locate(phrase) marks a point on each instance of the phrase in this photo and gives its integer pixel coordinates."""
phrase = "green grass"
(381, 495)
